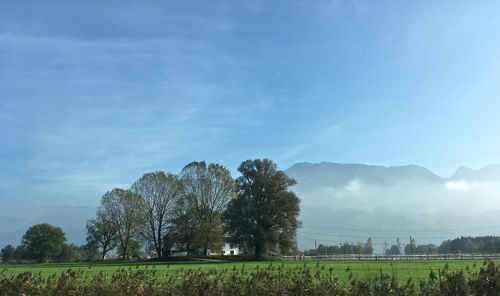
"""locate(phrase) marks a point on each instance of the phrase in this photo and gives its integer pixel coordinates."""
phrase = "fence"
(375, 257)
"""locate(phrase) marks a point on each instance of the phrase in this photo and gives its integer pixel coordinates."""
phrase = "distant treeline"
(478, 245)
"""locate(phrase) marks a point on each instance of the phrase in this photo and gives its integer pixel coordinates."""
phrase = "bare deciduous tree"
(122, 206)
(159, 193)
(102, 232)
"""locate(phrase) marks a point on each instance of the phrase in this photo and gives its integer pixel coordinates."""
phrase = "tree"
(369, 246)
(394, 250)
(89, 251)
(426, 249)
(346, 248)
(160, 193)
(123, 208)
(358, 248)
(265, 212)
(7, 253)
(69, 253)
(411, 247)
(43, 241)
(133, 250)
(20, 253)
(384, 248)
(208, 190)
(102, 232)
(321, 250)
(184, 227)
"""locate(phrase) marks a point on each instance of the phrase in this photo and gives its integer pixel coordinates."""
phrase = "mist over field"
(351, 202)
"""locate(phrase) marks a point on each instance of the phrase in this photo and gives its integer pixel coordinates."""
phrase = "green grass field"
(418, 270)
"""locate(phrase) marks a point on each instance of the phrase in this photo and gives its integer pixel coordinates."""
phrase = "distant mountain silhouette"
(337, 174)
(488, 173)
(342, 202)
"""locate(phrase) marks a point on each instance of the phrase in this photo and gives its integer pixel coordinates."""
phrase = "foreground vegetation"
(291, 278)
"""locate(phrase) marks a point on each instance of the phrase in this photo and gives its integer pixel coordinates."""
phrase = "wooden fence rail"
(375, 257)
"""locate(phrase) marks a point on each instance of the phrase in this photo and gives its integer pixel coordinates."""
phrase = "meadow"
(402, 270)
(347, 278)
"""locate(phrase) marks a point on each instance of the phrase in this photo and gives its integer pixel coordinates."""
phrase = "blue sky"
(95, 93)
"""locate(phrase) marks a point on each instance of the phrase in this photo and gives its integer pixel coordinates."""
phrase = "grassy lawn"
(340, 269)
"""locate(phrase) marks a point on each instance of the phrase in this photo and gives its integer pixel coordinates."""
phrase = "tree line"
(476, 245)
(344, 248)
(193, 211)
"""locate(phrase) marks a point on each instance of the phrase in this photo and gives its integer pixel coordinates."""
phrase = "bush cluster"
(273, 280)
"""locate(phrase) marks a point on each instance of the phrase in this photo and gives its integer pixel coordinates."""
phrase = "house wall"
(228, 250)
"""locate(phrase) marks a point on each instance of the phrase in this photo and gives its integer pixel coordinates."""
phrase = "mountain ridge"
(486, 173)
(379, 197)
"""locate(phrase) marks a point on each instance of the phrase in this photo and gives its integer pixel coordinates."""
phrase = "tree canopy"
(207, 190)
(7, 253)
(102, 232)
(123, 208)
(159, 192)
(43, 241)
(264, 216)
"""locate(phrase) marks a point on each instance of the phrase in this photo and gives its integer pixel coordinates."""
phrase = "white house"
(229, 249)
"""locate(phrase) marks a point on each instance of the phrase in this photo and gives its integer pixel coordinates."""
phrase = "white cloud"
(457, 185)
(353, 186)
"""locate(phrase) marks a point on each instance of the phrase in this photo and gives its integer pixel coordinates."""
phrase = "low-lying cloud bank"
(353, 202)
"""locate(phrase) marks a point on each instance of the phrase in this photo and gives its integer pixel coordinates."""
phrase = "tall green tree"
(265, 213)
(160, 192)
(184, 227)
(20, 253)
(43, 241)
(102, 232)
(208, 189)
(123, 208)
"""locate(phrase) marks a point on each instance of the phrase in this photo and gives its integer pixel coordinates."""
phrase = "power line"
(403, 230)
(444, 237)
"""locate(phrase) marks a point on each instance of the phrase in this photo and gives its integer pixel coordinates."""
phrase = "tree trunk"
(125, 251)
(159, 252)
(159, 244)
(104, 251)
(258, 250)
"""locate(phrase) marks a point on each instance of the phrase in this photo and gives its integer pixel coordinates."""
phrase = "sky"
(95, 93)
